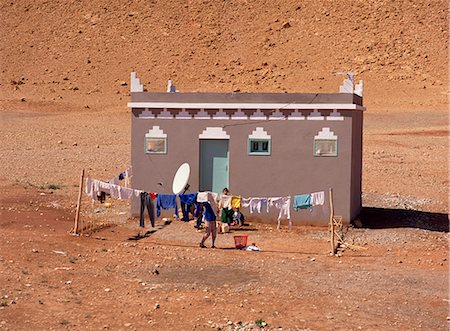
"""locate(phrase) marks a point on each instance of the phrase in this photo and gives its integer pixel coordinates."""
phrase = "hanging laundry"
(166, 201)
(210, 197)
(186, 201)
(146, 202)
(208, 213)
(317, 198)
(302, 201)
(235, 202)
(283, 204)
(225, 201)
(90, 187)
(255, 204)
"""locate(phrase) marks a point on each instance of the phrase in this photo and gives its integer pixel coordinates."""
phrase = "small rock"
(74, 144)
(59, 142)
(123, 83)
(157, 306)
(286, 25)
(22, 99)
(313, 259)
(127, 325)
(107, 290)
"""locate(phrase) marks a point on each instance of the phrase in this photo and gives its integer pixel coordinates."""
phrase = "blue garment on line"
(186, 200)
(166, 201)
(208, 213)
(302, 201)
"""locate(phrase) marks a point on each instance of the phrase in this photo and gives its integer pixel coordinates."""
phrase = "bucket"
(240, 241)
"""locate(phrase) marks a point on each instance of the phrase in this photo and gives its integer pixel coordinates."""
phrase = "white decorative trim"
(359, 88)
(296, 116)
(277, 115)
(135, 83)
(335, 116)
(183, 115)
(155, 132)
(326, 134)
(249, 105)
(202, 115)
(165, 114)
(239, 115)
(221, 115)
(146, 114)
(258, 115)
(259, 133)
(214, 133)
(347, 86)
(315, 116)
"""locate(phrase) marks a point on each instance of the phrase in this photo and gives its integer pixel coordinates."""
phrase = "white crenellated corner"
(347, 86)
(259, 133)
(326, 134)
(135, 83)
(155, 132)
(335, 116)
(239, 115)
(146, 114)
(165, 114)
(277, 115)
(214, 133)
(359, 88)
(183, 115)
(258, 115)
(315, 116)
(221, 115)
(202, 115)
(296, 116)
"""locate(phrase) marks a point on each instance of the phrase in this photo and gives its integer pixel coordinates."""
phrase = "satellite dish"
(180, 180)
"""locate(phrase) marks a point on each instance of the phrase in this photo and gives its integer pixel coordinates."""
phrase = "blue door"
(213, 165)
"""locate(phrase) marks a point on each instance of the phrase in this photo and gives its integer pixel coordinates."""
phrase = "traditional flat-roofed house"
(256, 144)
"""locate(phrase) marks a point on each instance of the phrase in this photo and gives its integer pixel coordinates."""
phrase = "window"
(259, 147)
(155, 141)
(325, 143)
(259, 142)
(155, 145)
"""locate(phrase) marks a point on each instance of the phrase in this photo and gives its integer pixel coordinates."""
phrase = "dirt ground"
(64, 86)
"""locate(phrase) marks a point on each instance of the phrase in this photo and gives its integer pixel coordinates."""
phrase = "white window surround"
(214, 133)
(326, 134)
(259, 133)
(155, 132)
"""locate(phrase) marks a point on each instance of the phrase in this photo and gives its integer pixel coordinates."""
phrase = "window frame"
(249, 147)
(325, 155)
(146, 151)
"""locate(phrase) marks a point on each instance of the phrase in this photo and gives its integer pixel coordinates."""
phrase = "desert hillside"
(80, 53)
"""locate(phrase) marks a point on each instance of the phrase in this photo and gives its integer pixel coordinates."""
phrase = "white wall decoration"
(214, 133)
(221, 115)
(335, 116)
(239, 115)
(146, 114)
(277, 115)
(135, 83)
(296, 116)
(315, 116)
(165, 114)
(183, 115)
(258, 115)
(202, 115)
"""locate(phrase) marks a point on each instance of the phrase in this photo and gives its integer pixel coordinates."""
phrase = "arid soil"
(63, 92)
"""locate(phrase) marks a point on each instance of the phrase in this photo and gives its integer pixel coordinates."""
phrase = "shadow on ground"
(384, 218)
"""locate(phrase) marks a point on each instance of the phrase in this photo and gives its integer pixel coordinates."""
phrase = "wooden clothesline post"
(333, 247)
(80, 193)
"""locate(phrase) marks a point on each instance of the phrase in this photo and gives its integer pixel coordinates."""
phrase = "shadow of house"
(385, 218)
